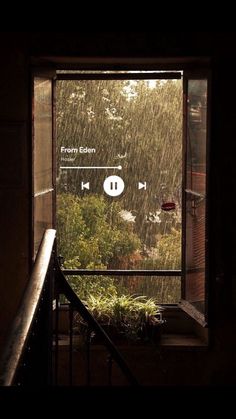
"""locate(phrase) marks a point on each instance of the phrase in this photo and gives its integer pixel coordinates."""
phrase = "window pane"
(42, 217)
(196, 135)
(130, 129)
(195, 194)
(42, 134)
(195, 251)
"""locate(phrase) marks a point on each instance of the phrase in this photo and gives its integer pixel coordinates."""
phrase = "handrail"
(87, 316)
(21, 326)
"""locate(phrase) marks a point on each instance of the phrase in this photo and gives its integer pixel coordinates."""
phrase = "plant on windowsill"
(126, 318)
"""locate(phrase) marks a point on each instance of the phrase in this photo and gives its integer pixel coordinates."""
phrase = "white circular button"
(113, 185)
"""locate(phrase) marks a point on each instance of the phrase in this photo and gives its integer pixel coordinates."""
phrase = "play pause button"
(113, 185)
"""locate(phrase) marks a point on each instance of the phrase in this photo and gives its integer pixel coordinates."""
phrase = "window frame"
(118, 75)
(193, 67)
(50, 75)
(184, 304)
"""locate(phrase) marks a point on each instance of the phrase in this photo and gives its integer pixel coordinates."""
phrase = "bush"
(91, 232)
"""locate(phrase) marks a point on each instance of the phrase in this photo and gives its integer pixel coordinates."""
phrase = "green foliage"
(124, 118)
(166, 254)
(91, 232)
(128, 314)
(169, 248)
(87, 287)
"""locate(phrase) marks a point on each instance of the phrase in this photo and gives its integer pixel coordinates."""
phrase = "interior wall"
(14, 179)
(16, 48)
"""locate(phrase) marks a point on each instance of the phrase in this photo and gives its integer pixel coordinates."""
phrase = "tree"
(91, 232)
(138, 125)
(129, 123)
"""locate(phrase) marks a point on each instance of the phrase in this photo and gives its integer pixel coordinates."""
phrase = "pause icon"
(113, 185)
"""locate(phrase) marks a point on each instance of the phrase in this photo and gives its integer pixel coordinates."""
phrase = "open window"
(43, 156)
(195, 168)
(131, 178)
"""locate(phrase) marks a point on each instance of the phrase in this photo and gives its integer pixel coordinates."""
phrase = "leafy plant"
(130, 316)
(91, 233)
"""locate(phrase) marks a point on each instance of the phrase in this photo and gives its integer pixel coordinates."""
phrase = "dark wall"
(14, 185)
(16, 48)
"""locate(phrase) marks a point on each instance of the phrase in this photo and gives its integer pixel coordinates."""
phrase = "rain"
(135, 128)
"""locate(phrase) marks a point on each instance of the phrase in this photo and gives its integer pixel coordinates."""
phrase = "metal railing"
(27, 355)
(76, 306)
(33, 349)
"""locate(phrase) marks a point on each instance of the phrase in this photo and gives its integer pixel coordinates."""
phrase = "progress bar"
(91, 167)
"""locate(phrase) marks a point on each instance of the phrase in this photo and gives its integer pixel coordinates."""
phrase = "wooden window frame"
(191, 66)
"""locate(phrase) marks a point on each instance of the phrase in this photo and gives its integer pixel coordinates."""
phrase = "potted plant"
(125, 317)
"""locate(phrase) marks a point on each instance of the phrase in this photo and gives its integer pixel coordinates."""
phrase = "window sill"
(180, 332)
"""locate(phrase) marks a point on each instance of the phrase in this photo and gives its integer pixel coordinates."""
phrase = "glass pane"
(164, 290)
(42, 134)
(196, 135)
(195, 251)
(42, 217)
(119, 176)
(195, 194)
